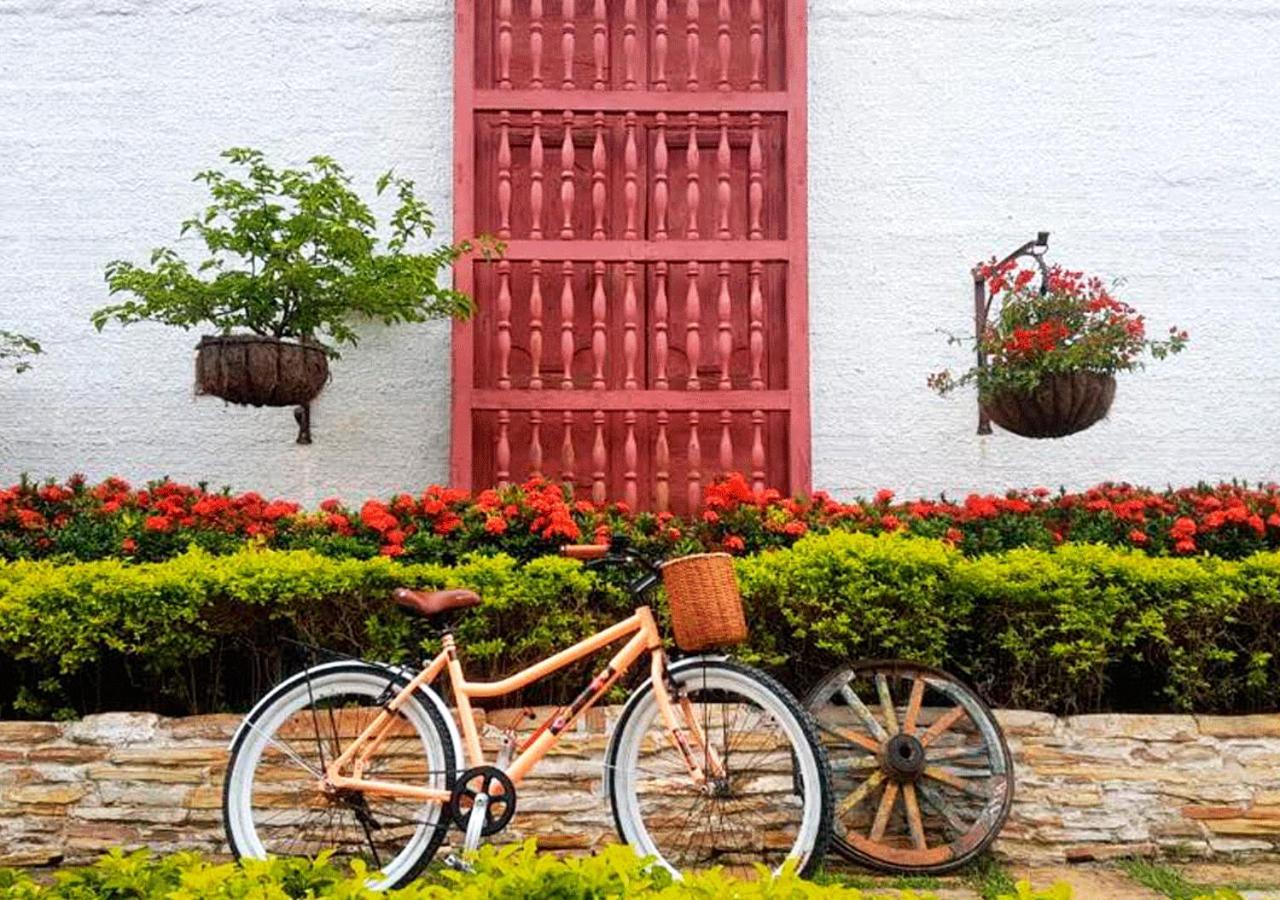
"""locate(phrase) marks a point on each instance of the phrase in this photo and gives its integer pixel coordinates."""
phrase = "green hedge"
(516, 872)
(1079, 628)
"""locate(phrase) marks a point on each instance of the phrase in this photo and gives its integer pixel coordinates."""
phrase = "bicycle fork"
(688, 738)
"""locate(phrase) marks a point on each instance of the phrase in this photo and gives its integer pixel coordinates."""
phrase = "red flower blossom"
(376, 516)
(158, 523)
(734, 544)
(495, 525)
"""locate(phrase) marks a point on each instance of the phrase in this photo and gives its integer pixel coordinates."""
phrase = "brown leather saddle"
(435, 603)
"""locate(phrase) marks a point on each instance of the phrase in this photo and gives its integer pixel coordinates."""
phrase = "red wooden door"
(647, 326)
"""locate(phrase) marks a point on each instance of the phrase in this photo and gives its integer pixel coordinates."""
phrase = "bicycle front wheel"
(772, 801)
(273, 800)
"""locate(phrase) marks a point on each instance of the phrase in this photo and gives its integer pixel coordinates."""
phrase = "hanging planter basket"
(1062, 404)
(260, 371)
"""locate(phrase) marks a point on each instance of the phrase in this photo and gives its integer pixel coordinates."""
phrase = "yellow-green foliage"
(516, 872)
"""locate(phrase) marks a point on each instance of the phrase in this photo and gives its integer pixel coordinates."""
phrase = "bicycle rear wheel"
(921, 772)
(773, 803)
(273, 803)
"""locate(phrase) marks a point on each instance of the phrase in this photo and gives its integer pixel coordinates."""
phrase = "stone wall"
(1088, 786)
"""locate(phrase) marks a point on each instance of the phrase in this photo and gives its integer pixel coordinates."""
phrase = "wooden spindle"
(567, 37)
(504, 44)
(630, 174)
(660, 326)
(756, 330)
(723, 191)
(662, 465)
(660, 45)
(629, 31)
(693, 325)
(630, 461)
(630, 342)
(726, 441)
(504, 324)
(535, 442)
(757, 450)
(755, 180)
(566, 176)
(695, 464)
(691, 191)
(692, 43)
(724, 327)
(567, 460)
(535, 325)
(599, 459)
(535, 177)
(724, 44)
(566, 326)
(660, 187)
(504, 174)
(598, 162)
(600, 46)
(503, 454)
(756, 43)
(598, 337)
(535, 43)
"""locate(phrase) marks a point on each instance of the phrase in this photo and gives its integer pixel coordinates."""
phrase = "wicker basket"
(706, 608)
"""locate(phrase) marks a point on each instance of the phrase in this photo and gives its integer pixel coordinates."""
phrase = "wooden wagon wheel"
(922, 776)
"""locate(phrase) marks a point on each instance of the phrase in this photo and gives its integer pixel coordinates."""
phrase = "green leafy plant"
(1075, 325)
(294, 253)
(17, 349)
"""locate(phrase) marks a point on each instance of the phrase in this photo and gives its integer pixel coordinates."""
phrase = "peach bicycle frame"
(644, 638)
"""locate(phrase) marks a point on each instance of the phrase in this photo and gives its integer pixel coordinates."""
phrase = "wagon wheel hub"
(903, 757)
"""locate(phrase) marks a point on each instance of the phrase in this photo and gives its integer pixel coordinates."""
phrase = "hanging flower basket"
(260, 371)
(1062, 404)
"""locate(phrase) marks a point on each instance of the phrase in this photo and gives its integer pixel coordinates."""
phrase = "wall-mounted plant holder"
(1063, 403)
(253, 370)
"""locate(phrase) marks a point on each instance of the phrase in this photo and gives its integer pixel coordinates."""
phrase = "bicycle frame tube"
(644, 637)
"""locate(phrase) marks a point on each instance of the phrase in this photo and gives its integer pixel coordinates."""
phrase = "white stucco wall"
(1141, 134)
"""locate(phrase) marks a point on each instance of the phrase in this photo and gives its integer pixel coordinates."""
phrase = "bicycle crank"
(482, 803)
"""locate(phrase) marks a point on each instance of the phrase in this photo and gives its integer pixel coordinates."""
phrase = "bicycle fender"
(632, 700)
(405, 675)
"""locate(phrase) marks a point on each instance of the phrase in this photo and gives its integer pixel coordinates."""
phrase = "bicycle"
(710, 762)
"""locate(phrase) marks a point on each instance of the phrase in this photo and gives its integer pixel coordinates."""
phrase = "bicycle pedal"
(458, 864)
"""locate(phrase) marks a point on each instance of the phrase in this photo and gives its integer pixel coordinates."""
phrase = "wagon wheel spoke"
(952, 753)
(886, 703)
(914, 822)
(860, 793)
(950, 779)
(913, 706)
(860, 708)
(940, 727)
(941, 807)
(884, 811)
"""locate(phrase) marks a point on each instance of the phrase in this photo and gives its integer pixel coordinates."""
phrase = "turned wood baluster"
(724, 329)
(660, 45)
(504, 448)
(630, 347)
(504, 325)
(504, 175)
(757, 450)
(598, 338)
(600, 46)
(599, 459)
(756, 43)
(629, 29)
(693, 325)
(755, 181)
(726, 441)
(756, 339)
(535, 442)
(724, 45)
(691, 192)
(660, 179)
(660, 325)
(504, 44)
(566, 176)
(662, 465)
(566, 42)
(695, 464)
(630, 460)
(692, 47)
(723, 191)
(535, 43)
(566, 362)
(630, 167)
(598, 163)
(535, 325)
(535, 177)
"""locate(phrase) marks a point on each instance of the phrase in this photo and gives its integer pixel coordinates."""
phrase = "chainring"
(502, 798)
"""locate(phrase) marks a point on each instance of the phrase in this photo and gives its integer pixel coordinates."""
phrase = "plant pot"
(1061, 405)
(260, 371)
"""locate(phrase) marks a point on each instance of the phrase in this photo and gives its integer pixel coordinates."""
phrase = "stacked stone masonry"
(1089, 787)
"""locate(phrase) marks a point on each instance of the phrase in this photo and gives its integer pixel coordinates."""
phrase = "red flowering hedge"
(112, 519)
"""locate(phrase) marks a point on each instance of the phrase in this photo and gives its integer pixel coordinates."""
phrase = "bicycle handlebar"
(585, 551)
